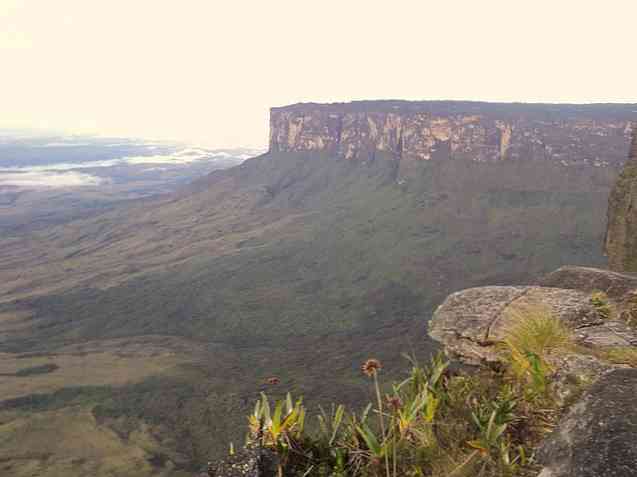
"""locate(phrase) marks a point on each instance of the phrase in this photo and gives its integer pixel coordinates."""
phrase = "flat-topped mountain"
(567, 134)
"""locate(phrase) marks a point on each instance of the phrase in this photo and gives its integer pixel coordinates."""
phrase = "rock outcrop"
(621, 236)
(597, 436)
(586, 279)
(471, 323)
(566, 134)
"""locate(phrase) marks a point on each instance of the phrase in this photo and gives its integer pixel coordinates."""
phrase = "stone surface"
(597, 437)
(587, 279)
(470, 323)
(248, 462)
(621, 236)
(565, 134)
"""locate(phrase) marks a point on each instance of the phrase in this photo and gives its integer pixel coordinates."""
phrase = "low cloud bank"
(35, 179)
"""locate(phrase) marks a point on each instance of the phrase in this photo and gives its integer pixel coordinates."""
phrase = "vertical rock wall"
(621, 236)
(568, 134)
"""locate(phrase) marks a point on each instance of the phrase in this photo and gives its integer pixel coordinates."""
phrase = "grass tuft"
(622, 355)
(535, 330)
(599, 300)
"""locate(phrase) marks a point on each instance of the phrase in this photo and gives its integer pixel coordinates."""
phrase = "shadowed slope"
(294, 244)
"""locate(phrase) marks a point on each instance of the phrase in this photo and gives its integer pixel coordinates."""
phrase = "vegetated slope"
(302, 244)
(302, 265)
(295, 264)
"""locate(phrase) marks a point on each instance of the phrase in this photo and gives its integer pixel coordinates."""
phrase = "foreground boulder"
(471, 323)
(598, 436)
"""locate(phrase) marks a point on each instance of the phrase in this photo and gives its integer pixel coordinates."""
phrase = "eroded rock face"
(567, 134)
(621, 236)
(598, 435)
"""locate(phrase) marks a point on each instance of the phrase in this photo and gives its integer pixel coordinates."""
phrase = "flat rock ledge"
(471, 323)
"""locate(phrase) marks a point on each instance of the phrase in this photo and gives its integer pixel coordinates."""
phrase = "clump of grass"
(599, 300)
(534, 329)
(621, 355)
(530, 341)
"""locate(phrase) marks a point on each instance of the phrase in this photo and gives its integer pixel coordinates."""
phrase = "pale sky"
(207, 71)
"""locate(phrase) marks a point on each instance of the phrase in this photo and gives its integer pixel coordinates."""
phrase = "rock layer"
(621, 236)
(567, 134)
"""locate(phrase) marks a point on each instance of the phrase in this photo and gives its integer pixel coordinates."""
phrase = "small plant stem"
(465, 463)
(382, 420)
(394, 456)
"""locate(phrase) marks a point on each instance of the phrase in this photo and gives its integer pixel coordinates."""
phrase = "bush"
(434, 422)
(599, 300)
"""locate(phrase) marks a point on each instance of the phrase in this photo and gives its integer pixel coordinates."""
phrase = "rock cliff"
(567, 134)
(621, 237)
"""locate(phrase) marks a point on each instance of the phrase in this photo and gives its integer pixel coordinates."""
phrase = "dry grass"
(534, 329)
(69, 443)
(621, 355)
(111, 362)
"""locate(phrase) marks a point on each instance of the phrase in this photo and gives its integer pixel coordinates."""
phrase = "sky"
(207, 71)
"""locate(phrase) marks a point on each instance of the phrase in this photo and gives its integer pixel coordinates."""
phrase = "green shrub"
(599, 300)
(432, 423)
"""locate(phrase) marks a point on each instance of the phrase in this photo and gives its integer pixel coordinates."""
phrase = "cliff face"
(621, 237)
(569, 134)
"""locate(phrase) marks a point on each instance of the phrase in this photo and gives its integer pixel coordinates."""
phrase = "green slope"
(355, 249)
(294, 265)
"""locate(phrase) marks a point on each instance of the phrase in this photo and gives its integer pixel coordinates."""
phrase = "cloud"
(185, 156)
(48, 179)
(73, 174)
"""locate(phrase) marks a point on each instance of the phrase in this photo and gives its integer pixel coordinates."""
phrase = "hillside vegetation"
(294, 265)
